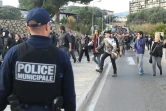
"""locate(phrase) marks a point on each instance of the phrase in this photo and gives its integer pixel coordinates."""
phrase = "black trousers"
(104, 56)
(149, 45)
(86, 53)
(73, 55)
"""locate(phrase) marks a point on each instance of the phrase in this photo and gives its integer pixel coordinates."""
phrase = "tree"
(9, 12)
(85, 18)
(53, 6)
(152, 15)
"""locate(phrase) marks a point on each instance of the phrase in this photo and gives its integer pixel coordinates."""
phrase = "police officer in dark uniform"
(35, 75)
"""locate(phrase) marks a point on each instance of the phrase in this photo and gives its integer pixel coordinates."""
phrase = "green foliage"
(64, 21)
(150, 28)
(85, 18)
(71, 23)
(159, 27)
(9, 12)
(53, 6)
(152, 15)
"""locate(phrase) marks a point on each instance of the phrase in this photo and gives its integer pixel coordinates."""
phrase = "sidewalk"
(86, 78)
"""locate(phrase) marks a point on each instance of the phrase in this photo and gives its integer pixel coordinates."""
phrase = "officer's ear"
(48, 26)
(28, 29)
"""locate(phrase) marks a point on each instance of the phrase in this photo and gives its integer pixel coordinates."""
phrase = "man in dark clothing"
(73, 46)
(161, 37)
(84, 48)
(77, 43)
(5, 32)
(149, 42)
(35, 73)
(53, 38)
(65, 42)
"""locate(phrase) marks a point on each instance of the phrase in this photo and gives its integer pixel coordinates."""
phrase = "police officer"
(35, 74)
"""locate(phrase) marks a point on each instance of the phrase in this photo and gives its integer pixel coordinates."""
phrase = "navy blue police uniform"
(37, 72)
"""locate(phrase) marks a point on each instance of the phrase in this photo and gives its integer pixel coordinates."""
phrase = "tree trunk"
(57, 15)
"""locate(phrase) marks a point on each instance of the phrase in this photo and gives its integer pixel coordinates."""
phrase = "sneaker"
(140, 73)
(161, 73)
(74, 61)
(114, 75)
(88, 61)
(97, 67)
(99, 70)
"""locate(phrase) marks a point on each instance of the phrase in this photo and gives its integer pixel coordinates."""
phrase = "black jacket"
(158, 51)
(18, 42)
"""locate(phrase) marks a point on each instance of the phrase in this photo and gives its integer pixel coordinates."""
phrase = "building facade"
(1, 3)
(137, 5)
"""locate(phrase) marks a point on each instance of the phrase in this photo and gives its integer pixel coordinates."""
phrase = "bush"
(159, 27)
(146, 28)
(71, 23)
(150, 28)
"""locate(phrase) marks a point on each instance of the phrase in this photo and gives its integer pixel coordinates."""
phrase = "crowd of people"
(99, 44)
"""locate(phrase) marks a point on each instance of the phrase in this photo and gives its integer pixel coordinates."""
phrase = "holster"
(14, 103)
(57, 104)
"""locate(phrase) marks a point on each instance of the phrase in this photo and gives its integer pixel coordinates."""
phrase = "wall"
(17, 26)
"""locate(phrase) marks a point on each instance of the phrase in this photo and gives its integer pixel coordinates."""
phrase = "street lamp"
(92, 28)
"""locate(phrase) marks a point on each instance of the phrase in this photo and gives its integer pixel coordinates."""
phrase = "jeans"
(104, 56)
(139, 58)
(156, 60)
(96, 59)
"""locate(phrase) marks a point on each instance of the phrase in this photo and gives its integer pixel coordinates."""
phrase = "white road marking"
(98, 90)
(131, 61)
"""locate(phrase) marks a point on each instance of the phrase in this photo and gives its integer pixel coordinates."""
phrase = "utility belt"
(17, 106)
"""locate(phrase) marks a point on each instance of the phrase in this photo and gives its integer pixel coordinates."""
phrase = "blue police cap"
(40, 15)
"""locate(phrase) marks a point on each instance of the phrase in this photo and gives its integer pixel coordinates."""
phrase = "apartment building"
(1, 3)
(137, 5)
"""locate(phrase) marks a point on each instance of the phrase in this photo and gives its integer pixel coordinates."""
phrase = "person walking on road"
(121, 44)
(84, 48)
(139, 48)
(110, 46)
(157, 52)
(35, 75)
(96, 41)
(77, 43)
(73, 46)
(149, 42)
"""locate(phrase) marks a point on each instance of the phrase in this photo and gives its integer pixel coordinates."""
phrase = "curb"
(86, 96)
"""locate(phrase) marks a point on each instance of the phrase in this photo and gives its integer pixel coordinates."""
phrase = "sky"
(112, 5)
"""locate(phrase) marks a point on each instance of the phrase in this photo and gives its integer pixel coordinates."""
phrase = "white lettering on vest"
(27, 68)
(20, 66)
(35, 72)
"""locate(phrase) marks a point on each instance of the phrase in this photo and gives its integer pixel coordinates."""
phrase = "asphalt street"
(130, 91)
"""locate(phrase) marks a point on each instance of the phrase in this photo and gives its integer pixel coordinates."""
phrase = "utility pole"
(92, 28)
(102, 21)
